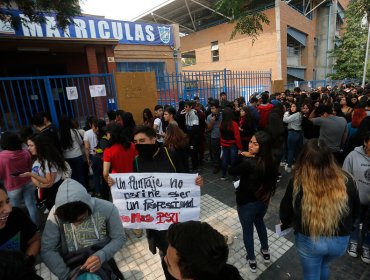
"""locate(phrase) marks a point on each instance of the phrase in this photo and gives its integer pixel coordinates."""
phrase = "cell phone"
(16, 174)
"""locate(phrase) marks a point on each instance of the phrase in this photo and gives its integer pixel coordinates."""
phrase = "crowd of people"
(321, 137)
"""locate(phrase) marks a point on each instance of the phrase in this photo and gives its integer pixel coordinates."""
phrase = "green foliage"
(350, 54)
(65, 10)
(247, 22)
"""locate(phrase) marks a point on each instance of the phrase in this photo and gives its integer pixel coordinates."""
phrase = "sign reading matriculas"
(86, 27)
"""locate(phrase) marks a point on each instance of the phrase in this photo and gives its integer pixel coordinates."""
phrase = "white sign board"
(155, 200)
(97, 90)
(72, 93)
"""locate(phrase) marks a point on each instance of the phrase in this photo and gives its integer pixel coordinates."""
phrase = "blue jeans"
(249, 214)
(229, 156)
(77, 166)
(295, 142)
(316, 255)
(355, 234)
(27, 194)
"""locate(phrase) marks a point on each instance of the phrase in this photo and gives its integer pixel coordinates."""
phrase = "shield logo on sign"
(165, 34)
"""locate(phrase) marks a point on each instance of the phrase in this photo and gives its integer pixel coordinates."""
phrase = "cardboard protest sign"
(155, 200)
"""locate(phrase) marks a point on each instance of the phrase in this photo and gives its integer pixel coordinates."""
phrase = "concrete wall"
(322, 36)
(289, 17)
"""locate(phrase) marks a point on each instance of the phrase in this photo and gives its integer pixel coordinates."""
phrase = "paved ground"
(218, 209)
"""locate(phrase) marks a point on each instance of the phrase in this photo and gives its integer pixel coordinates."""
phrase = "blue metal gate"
(204, 84)
(22, 97)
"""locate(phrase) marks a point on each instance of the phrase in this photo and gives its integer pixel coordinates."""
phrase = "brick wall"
(144, 53)
(235, 54)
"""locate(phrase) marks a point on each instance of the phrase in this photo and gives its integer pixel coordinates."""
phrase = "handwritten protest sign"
(155, 200)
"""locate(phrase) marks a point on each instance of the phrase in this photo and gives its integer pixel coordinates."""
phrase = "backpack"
(76, 259)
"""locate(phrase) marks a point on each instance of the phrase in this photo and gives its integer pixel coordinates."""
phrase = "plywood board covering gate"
(135, 92)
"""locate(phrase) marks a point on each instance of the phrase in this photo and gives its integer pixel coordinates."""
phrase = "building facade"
(295, 45)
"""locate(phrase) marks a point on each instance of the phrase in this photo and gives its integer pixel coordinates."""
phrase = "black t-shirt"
(18, 230)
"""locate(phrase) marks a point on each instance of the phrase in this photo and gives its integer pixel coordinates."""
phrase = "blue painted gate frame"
(23, 97)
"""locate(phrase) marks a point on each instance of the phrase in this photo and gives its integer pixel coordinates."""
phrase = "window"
(214, 51)
(188, 58)
(294, 55)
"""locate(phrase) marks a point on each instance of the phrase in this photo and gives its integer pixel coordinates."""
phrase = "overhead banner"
(87, 27)
(155, 200)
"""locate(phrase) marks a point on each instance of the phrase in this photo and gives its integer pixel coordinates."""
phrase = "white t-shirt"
(159, 129)
(75, 150)
(91, 137)
(36, 168)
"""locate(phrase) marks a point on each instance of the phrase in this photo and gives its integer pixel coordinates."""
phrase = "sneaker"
(365, 256)
(252, 265)
(283, 163)
(223, 178)
(236, 178)
(279, 175)
(266, 255)
(352, 249)
(288, 169)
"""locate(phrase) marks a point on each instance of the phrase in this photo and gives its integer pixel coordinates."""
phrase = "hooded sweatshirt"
(103, 226)
(357, 163)
(264, 111)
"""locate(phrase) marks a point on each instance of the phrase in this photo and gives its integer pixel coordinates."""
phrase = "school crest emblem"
(164, 34)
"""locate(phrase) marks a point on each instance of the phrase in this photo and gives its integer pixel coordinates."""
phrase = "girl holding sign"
(257, 185)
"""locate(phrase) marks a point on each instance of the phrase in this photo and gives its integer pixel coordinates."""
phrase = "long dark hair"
(65, 126)
(10, 141)
(102, 128)
(275, 126)
(227, 119)
(129, 124)
(297, 110)
(148, 116)
(323, 183)
(248, 115)
(118, 136)
(46, 151)
(266, 167)
(175, 137)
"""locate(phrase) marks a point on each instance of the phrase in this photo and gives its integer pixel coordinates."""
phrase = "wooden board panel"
(135, 92)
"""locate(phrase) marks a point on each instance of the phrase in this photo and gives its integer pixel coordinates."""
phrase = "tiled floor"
(136, 262)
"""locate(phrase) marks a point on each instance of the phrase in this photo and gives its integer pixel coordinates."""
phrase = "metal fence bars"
(76, 96)
(313, 84)
(172, 88)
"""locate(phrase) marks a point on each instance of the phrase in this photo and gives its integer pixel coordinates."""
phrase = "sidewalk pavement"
(218, 208)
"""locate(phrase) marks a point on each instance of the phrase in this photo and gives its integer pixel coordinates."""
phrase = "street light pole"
(367, 55)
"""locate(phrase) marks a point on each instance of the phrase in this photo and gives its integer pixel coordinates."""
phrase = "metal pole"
(366, 56)
(279, 74)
